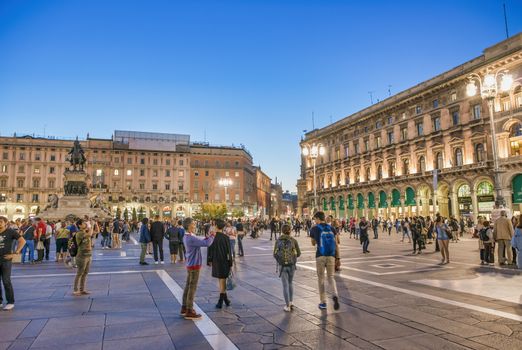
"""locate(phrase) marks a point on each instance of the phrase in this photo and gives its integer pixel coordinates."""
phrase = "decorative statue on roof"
(76, 156)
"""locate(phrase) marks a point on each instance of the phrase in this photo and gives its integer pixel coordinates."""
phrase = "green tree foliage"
(126, 214)
(134, 215)
(211, 211)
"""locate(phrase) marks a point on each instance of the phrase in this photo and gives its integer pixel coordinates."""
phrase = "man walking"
(157, 232)
(240, 234)
(503, 232)
(323, 237)
(375, 227)
(7, 236)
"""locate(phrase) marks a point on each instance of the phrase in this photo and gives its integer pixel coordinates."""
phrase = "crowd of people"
(30, 239)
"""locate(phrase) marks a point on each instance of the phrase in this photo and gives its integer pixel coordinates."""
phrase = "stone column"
(454, 203)
(474, 204)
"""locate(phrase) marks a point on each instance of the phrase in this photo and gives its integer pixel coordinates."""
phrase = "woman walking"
(286, 252)
(443, 239)
(83, 257)
(220, 258)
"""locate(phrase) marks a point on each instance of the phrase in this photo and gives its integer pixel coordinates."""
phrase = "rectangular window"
(181, 173)
(167, 186)
(19, 197)
(506, 105)
(142, 172)
(129, 160)
(390, 120)
(154, 173)
(99, 172)
(366, 145)
(129, 172)
(476, 111)
(52, 170)
(196, 197)
(4, 168)
(420, 129)
(346, 151)
(154, 162)
(418, 109)
(20, 183)
(35, 198)
(227, 173)
(116, 172)
(53, 158)
(206, 172)
(181, 162)
(236, 197)
(37, 156)
(435, 103)
(36, 183)
(22, 156)
(404, 134)
(181, 185)
(5, 156)
(37, 170)
(154, 186)
(378, 142)
(206, 197)
(167, 173)
(51, 183)
(142, 161)
(21, 169)
(436, 124)
(142, 186)
(236, 174)
(455, 117)
(356, 148)
(390, 137)
(167, 162)
(453, 97)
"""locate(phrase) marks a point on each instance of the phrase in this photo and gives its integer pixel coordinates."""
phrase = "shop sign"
(486, 198)
(464, 200)
(485, 207)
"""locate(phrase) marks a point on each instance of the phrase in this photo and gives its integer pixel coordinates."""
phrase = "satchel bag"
(231, 283)
(39, 245)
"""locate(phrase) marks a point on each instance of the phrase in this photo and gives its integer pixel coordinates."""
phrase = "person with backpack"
(173, 235)
(219, 256)
(486, 244)
(286, 252)
(324, 239)
(28, 232)
(83, 257)
(144, 239)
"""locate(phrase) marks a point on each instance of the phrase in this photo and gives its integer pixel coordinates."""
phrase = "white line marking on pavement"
(263, 248)
(215, 337)
(90, 273)
(134, 241)
(123, 253)
(428, 296)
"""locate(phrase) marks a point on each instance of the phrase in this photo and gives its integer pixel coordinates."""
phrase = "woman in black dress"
(220, 257)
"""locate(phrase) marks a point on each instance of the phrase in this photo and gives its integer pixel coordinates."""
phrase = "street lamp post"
(313, 151)
(491, 88)
(225, 182)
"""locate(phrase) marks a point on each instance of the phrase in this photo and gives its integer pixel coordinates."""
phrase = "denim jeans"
(240, 244)
(105, 241)
(5, 275)
(287, 276)
(157, 245)
(190, 289)
(328, 263)
(365, 244)
(29, 245)
(406, 233)
(233, 247)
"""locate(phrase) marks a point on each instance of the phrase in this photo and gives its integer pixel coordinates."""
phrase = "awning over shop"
(410, 197)
(396, 198)
(360, 201)
(341, 202)
(383, 198)
(517, 189)
(371, 200)
(350, 202)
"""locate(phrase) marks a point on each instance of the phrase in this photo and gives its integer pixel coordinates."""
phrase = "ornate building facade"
(425, 150)
(149, 173)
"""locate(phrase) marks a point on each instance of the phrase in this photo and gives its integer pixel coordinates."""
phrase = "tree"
(126, 214)
(134, 215)
(211, 211)
(141, 213)
(238, 213)
(118, 213)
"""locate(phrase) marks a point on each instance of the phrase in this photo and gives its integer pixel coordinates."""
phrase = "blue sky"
(241, 72)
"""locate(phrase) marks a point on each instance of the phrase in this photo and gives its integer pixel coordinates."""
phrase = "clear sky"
(240, 72)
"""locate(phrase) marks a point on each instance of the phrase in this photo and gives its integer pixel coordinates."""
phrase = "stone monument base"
(77, 206)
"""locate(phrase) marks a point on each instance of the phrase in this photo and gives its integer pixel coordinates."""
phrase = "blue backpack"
(327, 247)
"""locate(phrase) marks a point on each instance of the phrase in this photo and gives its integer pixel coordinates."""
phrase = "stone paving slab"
(420, 341)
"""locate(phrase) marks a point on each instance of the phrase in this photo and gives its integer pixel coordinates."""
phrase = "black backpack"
(72, 246)
(173, 234)
(483, 234)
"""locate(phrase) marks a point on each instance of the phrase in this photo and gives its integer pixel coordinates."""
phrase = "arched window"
(458, 157)
(379, 172)
(368, 174)
(422, 164)
(439, 162)
(484, 188)
(357, 176)
(405, 166)
(391, 169)
(515, 130)
(480, 155)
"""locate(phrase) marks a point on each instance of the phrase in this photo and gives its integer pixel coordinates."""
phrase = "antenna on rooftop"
(505, 20)
(371, 96)
(389, 90)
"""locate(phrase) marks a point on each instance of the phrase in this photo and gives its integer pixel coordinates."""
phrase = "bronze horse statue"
(76, 156)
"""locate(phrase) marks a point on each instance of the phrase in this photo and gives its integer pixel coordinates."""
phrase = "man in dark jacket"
(157, 232)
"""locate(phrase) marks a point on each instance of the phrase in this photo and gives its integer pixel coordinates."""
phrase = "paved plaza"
(389, 298)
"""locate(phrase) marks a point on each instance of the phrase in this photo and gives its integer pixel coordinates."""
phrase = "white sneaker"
(8, 307)
(162, 263)
(287, 308)
(155, 262)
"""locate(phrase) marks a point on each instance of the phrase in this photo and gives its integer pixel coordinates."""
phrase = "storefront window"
(515, 130)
